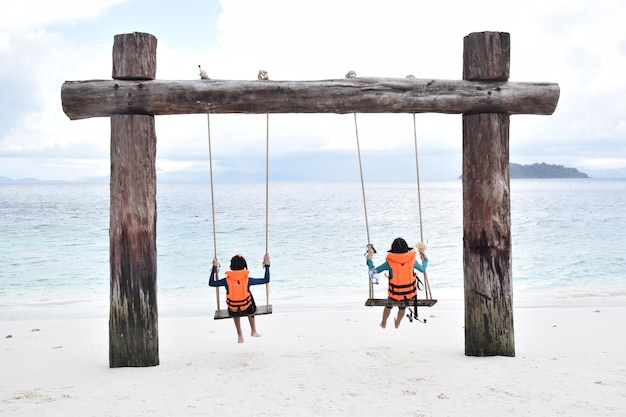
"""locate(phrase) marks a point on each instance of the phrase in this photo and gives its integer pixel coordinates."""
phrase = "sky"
(581, 45)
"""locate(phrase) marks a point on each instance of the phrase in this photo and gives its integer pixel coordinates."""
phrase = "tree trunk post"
(133, 316)
(487, 262)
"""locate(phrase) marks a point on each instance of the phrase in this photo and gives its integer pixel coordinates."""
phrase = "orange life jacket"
(238, 297)
(402, 283)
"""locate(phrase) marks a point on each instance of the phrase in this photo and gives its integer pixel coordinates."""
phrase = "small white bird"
(203, 74)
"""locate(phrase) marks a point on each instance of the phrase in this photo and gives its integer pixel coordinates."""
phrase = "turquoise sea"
(569, 238)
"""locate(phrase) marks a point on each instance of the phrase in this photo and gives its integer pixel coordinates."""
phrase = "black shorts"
(240, 313)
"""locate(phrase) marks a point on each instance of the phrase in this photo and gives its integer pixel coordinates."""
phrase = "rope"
(367, 227)
(208, 118)
(417, 175)
(267, 199)
(358, 147)
(370, 247)
(419, 203)
(263, 75)
(217, 289)
(267, 147)
(204, 76)
(267, 180)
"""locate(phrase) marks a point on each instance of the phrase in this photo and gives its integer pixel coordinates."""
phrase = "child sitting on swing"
(400, 262)
(238, 296)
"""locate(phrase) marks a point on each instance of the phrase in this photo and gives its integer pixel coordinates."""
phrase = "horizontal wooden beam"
(103, 98)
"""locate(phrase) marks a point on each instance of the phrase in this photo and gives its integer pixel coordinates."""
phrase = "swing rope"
(370, 247)
(358, 146)
(262, 76)
(217, 289)
(267, 182)
(367, 227)
(419, 203)
(267, 135)
(417, 176)
(428, 295)
(208, 117)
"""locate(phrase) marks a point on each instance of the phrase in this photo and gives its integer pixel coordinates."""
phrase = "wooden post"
(133, 317)
(486, 207)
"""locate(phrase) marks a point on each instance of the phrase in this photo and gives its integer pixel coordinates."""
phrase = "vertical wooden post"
(486, 207)
(133, 316)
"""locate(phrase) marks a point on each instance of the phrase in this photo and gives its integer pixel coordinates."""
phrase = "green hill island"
(544, 170)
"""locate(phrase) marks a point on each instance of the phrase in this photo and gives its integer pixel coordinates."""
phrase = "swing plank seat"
(223, 314)
(382, 302)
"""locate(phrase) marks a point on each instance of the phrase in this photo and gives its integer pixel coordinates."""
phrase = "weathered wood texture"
(133, 315)
(486, 214)
(260, 310)
(102, 98)
(133, 318)
(383, 302)
(141, 48)
(487, 57)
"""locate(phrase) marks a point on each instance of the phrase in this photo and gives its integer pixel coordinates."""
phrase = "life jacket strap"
(404, 289)
(239, 304)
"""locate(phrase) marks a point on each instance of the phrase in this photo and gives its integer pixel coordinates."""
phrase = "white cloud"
(32, 14)
(578, 45)
(39, 62)
(603, 163)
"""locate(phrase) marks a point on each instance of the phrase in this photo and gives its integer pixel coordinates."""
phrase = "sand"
(569, 361)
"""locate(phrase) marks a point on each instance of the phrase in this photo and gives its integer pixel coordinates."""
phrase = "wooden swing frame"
(484, 97)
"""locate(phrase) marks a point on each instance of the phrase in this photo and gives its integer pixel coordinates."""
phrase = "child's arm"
(216, 282)
(421, 266)
(380, 268)
(264, 280)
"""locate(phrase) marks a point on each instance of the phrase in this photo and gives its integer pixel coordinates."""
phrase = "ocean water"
(568, 242)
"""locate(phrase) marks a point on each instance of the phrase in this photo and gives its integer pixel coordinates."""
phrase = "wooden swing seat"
(382, 302)
(223, 314)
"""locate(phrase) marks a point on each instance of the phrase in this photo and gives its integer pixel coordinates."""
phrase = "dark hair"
(399, 245)
(237, 263)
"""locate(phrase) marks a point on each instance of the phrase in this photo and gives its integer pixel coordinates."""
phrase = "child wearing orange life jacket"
(400, 262)
(238, 296)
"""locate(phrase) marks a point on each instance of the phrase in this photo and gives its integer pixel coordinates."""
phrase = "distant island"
(517, 171)
(544, 170)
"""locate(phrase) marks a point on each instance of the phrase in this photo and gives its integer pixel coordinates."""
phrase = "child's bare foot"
(240, 338)
(396, 322)
(255, 334)
(383, 324)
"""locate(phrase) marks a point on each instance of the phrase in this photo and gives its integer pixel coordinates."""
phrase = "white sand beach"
(569, 361)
